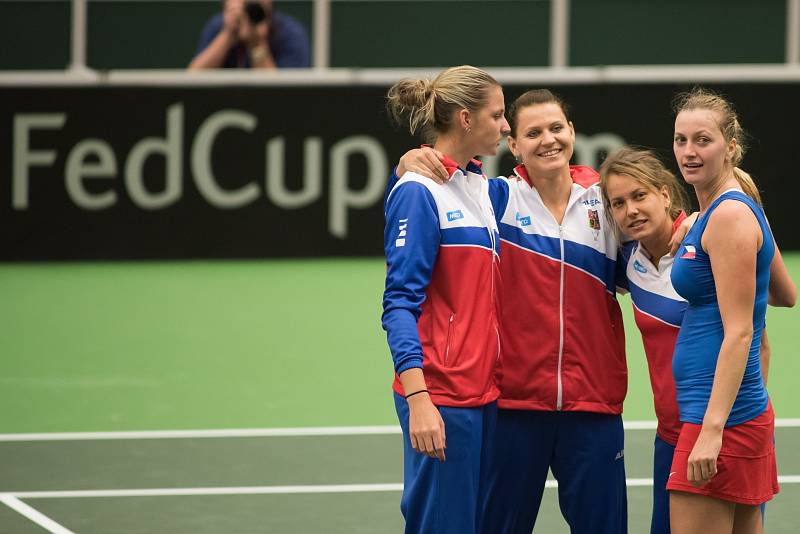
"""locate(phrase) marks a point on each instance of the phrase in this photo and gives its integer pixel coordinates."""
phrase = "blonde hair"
(646, 168)
(701, 98)
(427, 106)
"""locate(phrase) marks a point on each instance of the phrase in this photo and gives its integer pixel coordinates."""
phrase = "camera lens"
(255, 11)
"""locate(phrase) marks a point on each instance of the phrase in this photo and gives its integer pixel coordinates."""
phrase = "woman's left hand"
(702, 465)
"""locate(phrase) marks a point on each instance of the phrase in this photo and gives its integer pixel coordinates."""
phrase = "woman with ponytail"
(439, 304)
(724, 463)
(648, 205)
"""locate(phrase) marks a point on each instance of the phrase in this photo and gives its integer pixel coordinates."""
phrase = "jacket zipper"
(493, 241)
(560, 393)
(496, 331)
(449, 333)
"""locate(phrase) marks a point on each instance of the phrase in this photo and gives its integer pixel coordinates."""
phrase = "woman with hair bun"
(439, 304)
(724, 463)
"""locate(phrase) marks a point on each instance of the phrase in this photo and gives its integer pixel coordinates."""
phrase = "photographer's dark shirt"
(290, 46)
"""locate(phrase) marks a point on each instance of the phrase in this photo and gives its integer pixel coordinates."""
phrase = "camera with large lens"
(255, 11)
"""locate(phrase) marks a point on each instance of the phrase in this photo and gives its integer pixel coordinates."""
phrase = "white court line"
(220, 433)
(34, 515)
(242, 490)
(269, 490)
(267, 432)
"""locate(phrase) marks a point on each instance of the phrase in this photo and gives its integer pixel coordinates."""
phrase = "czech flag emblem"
(689, 253)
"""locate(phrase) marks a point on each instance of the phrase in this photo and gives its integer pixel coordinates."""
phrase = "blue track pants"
(585, 453)
(442, 497)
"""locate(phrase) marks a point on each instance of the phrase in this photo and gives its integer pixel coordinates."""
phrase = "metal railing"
(559, 33)
(558, 70)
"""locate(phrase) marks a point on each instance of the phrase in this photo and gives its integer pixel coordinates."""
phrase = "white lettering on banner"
(341, 197)
(201, 160)
(94, 159)
(587, 150)
(24, 157)
(172, 149)
(312, 174)
(78, 169)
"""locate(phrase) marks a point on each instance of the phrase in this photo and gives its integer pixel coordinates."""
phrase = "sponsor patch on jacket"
(689, 253)
(523, 221)
(454, 215)
(639, 267)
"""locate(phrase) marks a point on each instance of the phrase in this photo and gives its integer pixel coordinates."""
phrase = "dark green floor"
(364, 513)
(269, 461)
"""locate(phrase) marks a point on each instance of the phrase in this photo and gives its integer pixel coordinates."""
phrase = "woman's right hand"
(702, 463)
(424, 161)
(426, 427)
(680, 233)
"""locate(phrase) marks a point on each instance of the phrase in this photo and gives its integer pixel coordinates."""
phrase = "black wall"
(139, 173)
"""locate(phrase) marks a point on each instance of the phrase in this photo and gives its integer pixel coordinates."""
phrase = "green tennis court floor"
(305, 480)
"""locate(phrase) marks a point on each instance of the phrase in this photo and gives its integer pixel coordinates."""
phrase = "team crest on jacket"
(594, 223)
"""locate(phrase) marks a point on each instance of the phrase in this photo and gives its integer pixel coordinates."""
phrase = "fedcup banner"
(257, 172)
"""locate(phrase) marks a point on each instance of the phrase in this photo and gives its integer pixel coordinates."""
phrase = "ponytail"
(747, 184)
(411, 103)
(428, 106)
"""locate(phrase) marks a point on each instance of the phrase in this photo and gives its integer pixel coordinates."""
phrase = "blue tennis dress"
(701, 333)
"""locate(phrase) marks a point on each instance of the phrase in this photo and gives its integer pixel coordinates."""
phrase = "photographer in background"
(248, 34)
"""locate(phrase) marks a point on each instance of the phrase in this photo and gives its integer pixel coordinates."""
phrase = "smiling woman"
(558, 272)
(542, 137)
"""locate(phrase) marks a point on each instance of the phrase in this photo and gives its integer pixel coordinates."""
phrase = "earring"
(468, 129)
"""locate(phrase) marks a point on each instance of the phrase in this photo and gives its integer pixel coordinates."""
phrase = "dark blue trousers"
(585, 453)
(442, 497)
(662, 461)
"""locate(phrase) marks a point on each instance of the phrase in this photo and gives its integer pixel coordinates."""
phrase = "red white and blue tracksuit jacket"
(560, 325)
(658, 310)
(443, 284)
